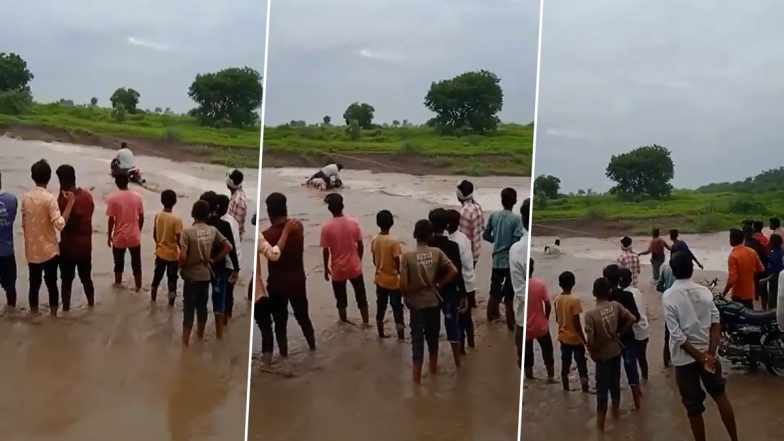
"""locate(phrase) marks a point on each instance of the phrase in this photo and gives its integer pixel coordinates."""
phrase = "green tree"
(158, 110)
(468, 101)
(93, 101)
(327, 120)
(547, 186)
(361, 113)
(14, 74)
(395, 123)
(227, 97)
(643, 171)
(127, 98)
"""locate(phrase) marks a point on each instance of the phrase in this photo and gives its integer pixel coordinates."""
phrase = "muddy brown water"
(119, 371)
(549, 413)
(356, 386)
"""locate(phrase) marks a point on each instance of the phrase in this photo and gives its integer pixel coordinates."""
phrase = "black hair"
(334, 203)
(655, 232)
(236, 176)
(41, 172)
(276, 205)
(385, 220)
(209, 197)
(558, 242)
(221, 205)
(466, 187)
(168, 198)
(423, 230)
(674, 233)
(736, 237)
(566, 280)
(508, 198)
(774, 223)
(123, 145)
(681, 265)
(67, 176)
(601, 288)
(613, 274)
(525, 213)
(453, 219)
(626, 241)
(201, 210)
(625, 277)
(748, 222)
(122, 180)
(775, 241)
(748, 232)
(758, 226)
(439, 218)
(340, 166)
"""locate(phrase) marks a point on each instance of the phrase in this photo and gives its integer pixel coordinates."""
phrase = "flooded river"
(356, 386)
(119, 371)
(549, 413)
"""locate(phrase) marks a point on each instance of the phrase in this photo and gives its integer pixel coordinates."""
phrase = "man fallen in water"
(327, 178)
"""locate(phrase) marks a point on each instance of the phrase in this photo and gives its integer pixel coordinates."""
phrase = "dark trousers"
(501, 284)
(425, 327)
(168, 267)
(271, 315)
(391, 297)
(68, 269)
(230, 298)
(341, 293)
(656, 264)
(519, 343)
(576, 352)
(136, 259)
(46, 272)
(8, 278)
(195, 295)
(773, 291)
(608, 382)
(545, 344)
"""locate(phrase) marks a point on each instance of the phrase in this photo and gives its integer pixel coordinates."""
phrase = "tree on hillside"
(327, 120)
(66, 103)
(547, 186)
(361, 113)
(468, 101)
(228, 97)
(93, 101)
(395, 123)
(643, 171)
(127, 98)
(158, 110)
(15, 95)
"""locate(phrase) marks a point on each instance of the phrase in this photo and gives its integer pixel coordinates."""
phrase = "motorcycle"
(748, 337)
(134, 174)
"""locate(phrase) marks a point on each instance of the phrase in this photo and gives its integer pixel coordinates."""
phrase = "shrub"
(172, 134)
(16, 102)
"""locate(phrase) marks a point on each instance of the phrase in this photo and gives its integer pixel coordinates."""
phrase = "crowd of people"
(434, 279)
(197, 253)
(616, 332)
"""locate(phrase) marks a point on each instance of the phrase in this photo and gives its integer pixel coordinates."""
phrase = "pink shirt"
(340, 235)
(41, 219)
(536, 322)
(125, 206)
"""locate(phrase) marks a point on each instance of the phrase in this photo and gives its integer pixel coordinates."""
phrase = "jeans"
(341, 294)
(656, 263)
(68, 269)
(425, 326)
(46, 271)
(219, 282)
(230, 298)
(195, 295)
(8, 278)
(119, 259)
(629, 355)
(271, 315)
(608, 382)
(392, 297)
(450, 307)
(501, 284)
(578, 353)
(168, 267)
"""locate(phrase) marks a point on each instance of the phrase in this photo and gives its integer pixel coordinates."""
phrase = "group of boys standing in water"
(196, 253)
(616, 331)
(434, 279)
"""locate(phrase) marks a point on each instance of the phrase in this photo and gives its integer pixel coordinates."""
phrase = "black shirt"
(224, 228)
(626, 299)
(452, 251)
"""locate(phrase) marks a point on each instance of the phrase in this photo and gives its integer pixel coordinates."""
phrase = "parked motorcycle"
(749, 337)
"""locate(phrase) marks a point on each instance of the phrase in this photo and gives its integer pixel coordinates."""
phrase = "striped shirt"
(472, 222)
(629, 260)
(238, 209)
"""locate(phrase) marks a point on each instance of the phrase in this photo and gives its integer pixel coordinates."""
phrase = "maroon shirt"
(76, 239)
(287, 275)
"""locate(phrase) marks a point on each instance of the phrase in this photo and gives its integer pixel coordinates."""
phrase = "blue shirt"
(504, 228)
(775, 263)
(8, 205)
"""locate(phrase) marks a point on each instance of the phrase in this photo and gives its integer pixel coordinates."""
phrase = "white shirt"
(125, 159)
(552, 249)
(235, 231)
(518, 268)
(689, 313)
(330, 170)
(466, 258)
(640, 328)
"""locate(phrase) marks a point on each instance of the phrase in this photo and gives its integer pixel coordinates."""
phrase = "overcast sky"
(701, 78)
(82, 48)
(324, 55)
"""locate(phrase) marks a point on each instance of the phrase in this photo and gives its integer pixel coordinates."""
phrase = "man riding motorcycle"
(123, 163)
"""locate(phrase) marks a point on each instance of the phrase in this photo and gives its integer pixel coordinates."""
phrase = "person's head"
(41, 173)
(508, 198)
(775, 242)
(334, 203)
(748, 232)
(558, 242)
(624, 277)
(221, 205)
(453, 219)
(566, 281)
(674, 234)
(121, 180)
(758, 226)
(423, 231)
(681, 265)
(748, 222)
(530, 267)
(168, 199)
(201, 211)
(601, 288)
(774, 223)
(626, 242)
(67, 176)
(465, 190)
(525, 213)
(613, 274)
(736, 237)
(655, 232)
(439, 219)
(210, 198)
(123, 145)
(234, 180)
(340, 166)
(276, 206)
(385, 220)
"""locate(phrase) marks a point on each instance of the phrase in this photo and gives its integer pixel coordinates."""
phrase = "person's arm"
(632, 306)
(666, 245)
(155, 229)
(360, 249)
(579, 327)
(358, 240)
(487, 235)
(229, 237)
(628, 319)
(403, 278)
(450, 272)
(292, 226)
(58, 220)
(590, 334)
(226, 248)
(676, 333)
(141, 214)
(183, 256)
(325, 255)
(694, 258)
(715, 330)
(648, 251)
(760, 268)
(373, 252)
(547, 309)
(110, 231)
(732, 274)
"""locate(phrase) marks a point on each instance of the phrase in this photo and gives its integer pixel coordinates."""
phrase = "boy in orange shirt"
(166, 231)
(386, 257)
(570, 331)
